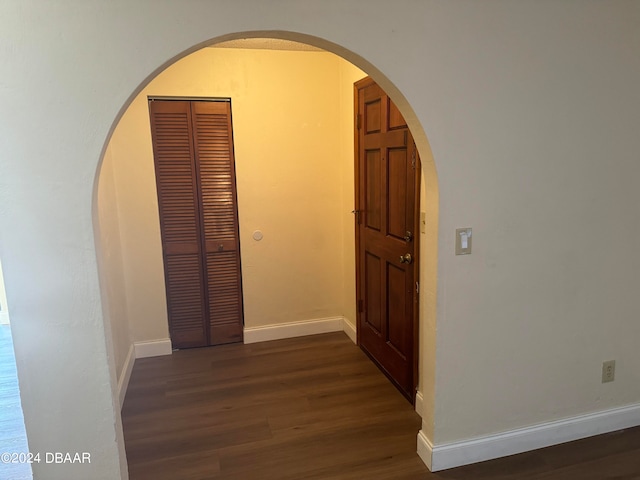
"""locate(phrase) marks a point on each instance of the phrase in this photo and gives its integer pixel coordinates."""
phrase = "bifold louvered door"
(195, 177)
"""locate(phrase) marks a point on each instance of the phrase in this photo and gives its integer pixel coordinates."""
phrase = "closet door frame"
(206, 148)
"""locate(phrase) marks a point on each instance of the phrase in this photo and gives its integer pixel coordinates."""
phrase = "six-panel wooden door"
(386, 191)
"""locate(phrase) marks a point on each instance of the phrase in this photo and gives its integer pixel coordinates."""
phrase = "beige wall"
(293, 134)
(112, 278)
(348, 74)
(531, 110)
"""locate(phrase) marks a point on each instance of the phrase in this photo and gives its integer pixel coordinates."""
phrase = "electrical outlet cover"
(608, 371)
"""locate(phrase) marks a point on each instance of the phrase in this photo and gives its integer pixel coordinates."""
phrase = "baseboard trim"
(153, 348)
(125, 375)
(419, 404)
(293, 329)
(350, 329)
(441, 457)
(425, 450)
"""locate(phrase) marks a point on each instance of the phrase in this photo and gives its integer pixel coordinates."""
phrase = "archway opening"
(135, 307)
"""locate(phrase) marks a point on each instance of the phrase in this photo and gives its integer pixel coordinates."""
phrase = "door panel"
(373, 292)
(224, 297)
(216, 174)
(372, 117)
(214, 163)
(397, 305)
(179, 218)
(195, 176)
(373, 189)
(386, 189)
(395, 117)
(396, 193)
(185, 306)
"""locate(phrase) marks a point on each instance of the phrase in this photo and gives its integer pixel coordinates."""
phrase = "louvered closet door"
(179, 222)
(215, 165)
(193, 151)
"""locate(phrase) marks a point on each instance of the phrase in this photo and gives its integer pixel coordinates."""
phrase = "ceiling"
(267, 44)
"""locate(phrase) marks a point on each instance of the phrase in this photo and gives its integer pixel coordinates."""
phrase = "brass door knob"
(406, 258)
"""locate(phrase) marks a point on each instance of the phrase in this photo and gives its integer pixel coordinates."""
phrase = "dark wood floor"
(310, 408)
(13, 438)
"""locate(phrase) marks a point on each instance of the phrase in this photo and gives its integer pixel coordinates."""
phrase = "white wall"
(531, 110)
(533, 116)
(4, 309)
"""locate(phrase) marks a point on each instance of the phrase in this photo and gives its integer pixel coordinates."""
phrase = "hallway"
(312, 407)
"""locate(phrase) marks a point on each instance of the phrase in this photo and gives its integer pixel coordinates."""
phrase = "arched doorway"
(120, 336)
(429, 209)
(92, 59)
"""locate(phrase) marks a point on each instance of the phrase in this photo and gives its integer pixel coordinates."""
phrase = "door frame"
(416, 228)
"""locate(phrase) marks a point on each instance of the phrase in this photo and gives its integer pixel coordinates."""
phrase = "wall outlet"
(608, 371)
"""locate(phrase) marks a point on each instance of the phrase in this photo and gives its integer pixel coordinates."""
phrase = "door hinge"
(417, 287)
(360, 306)
(358, 121)
(413, 159)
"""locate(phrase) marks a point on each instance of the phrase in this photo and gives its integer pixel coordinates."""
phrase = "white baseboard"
(293, 329)
(154, 348)
(350, 329)
(419, 403)
(425, 450)
(125, 375)
(441, 457)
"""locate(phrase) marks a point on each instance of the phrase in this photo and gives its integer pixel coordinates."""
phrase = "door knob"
(406, 258)
(408, 236)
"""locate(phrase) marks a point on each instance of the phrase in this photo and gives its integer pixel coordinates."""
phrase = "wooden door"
(195, 177)
(387, 178)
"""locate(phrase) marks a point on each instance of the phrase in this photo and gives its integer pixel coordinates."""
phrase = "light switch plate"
(463, 241)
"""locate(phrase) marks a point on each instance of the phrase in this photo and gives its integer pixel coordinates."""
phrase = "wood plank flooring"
(13, 438)
(310, 408)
